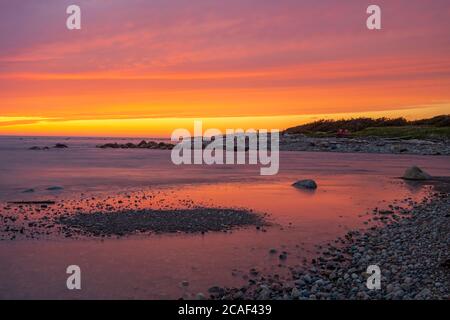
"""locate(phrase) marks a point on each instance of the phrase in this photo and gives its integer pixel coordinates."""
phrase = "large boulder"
(60, 146)
(305, 184)
(142, 144)
(415, 173)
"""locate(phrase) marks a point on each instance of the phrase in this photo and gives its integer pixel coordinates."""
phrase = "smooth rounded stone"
(398, 294)
(276, 286)
(305, 184)
(300, 283)
(415, 173)
(187, 296)
(362, 295)
(313, 269)
(60, 146)
(238, 295)
(423, 294)
(200, 296)
(264, 294)
(54, 188)
(408, 280)
(305, 293)
(295, 293)
(330, 265)
(319, 282)
(216, 290)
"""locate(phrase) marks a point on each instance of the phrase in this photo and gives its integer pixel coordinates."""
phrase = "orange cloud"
(249, 61)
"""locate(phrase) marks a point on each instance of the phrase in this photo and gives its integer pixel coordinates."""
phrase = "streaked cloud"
(202, 58)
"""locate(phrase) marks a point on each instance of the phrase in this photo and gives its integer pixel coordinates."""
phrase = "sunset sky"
(146, 67)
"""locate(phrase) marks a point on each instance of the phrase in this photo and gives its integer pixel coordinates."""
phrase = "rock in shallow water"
(55, 188)
(415, 173)
(305, 184)
(200, 296)
(60, 146)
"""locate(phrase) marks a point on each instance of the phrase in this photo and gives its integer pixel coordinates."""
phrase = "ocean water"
(153, 266)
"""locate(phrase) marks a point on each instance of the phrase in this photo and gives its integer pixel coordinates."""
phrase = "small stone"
(283, 256)
(200, 296)
(295, 293)
(55, 188)
(264, 294)
(305, 184)
(423, 294)
(389, 288)
(415, 173)
(60, 146)
(216, 290)
(307, 278)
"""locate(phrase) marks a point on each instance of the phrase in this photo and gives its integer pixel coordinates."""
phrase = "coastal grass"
(408, 132)
(434, 128)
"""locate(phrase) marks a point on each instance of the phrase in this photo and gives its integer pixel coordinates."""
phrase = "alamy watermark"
(73, 21)
(374, 280)
(235, 146)
(74, 280)
(374, 20)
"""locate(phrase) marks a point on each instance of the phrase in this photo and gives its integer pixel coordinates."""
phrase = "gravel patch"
(198, 220)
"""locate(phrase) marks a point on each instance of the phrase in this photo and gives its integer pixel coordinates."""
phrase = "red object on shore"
(342, 133)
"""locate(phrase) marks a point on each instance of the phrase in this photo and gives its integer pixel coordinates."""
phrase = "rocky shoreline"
(300, 142)
(410, 246)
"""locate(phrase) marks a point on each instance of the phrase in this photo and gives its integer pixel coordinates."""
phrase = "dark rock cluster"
(141, 145)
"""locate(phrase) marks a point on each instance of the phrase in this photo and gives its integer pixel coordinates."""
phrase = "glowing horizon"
(162, 127)
(258, 64)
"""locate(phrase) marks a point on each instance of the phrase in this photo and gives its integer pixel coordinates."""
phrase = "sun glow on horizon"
(163, 127)
(246, 64)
